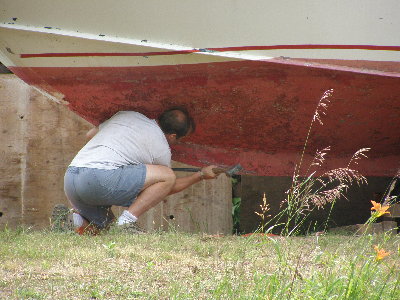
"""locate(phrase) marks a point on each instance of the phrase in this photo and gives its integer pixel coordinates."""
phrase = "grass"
(172, 265)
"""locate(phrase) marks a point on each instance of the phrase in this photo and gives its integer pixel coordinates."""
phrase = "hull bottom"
(254, 112)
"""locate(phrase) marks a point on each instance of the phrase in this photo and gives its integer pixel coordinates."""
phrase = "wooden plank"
(13, 97)
(55, 135)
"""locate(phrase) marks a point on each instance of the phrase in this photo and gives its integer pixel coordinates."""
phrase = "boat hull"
(251, 73)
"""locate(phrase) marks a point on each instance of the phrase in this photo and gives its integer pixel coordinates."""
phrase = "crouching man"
(127, 162)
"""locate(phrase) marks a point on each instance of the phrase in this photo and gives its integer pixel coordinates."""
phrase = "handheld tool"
(229, 172)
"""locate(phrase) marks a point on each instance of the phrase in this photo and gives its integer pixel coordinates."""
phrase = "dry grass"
(45, 265)
(309, 189)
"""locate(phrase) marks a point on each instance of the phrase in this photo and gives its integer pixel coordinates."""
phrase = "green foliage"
(236, 213)
(236, 202)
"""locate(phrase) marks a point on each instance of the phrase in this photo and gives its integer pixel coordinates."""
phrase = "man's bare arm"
(92, 132)
(184, 182)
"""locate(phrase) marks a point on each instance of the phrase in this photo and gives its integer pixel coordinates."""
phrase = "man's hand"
(208, 172)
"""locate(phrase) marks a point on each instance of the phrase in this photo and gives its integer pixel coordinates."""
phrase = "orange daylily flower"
(380, 210)
(380, 253)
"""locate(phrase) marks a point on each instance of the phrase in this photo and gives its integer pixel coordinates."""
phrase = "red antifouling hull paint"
(253, 112)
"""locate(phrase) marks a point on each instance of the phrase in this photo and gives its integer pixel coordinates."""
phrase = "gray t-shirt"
(127, 138)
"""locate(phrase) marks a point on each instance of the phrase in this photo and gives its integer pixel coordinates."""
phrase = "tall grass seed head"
(322, 106)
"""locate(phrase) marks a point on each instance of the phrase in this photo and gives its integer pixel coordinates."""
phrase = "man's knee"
(170, 175)
(156, 173)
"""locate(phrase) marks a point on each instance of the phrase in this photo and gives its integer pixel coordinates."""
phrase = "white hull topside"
(250, 30)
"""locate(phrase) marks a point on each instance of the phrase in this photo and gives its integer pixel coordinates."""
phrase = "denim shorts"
(92, 192)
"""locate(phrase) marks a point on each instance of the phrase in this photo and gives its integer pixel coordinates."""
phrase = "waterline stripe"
(210, 50)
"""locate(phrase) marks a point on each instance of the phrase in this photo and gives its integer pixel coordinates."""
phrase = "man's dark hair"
(176, 120)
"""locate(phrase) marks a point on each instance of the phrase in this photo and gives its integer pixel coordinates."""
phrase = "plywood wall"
(203, 207)
(38, 140)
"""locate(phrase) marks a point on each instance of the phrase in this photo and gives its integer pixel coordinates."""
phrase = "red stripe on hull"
(222, 49)
(283, 47)
(108, 54)
(253, 112)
